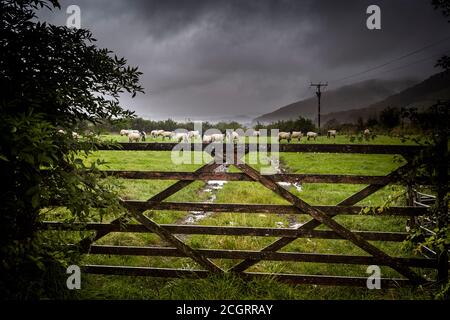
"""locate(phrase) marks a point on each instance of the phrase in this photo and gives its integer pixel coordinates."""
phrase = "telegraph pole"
(318, 94)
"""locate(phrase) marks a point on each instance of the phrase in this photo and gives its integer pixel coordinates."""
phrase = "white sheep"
(207, 138)
(133, 136)
(312, 135)
(156, 133)
(256, 133)
(181, 137)
(193, 134)
(166, 134)
(296, 135)
(232, 136)
(284, 136)
(217, 137)
(331, 133)
(124, 132)
(367, 134)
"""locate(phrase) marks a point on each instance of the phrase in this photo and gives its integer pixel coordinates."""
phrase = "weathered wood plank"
(237, 176)
(293, 147)
(287, 278)
(225, 230)
(260, 255)
(269, 208)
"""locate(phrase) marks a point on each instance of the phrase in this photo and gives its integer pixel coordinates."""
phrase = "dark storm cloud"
(207, 58)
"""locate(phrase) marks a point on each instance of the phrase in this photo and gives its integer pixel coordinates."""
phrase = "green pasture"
(340, 139)
(232, 287)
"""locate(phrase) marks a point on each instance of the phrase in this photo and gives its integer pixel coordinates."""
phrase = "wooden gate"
(247, 258)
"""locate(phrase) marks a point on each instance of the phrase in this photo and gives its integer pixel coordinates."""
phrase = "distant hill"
(420, 95)
(355, 96)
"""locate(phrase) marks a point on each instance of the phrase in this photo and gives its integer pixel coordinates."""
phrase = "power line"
(394, 60)
(319, 85)
(409, 64)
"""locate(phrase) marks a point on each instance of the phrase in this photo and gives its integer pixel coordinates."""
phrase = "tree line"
(390, 120)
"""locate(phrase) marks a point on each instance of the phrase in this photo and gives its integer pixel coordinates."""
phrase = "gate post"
(410, 197)
(441, 200)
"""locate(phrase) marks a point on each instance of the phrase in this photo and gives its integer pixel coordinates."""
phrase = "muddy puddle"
(212, 187)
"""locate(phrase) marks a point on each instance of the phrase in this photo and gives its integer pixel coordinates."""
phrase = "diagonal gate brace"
(322, 218)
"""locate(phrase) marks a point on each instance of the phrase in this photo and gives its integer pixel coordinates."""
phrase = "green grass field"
(340, 139)
(231, 287)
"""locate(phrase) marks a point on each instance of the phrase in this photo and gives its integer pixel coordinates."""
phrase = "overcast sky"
(217, 59)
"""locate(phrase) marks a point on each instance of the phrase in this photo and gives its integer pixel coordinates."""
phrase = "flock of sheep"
(288, 136)
(230, 136)
(133, 135)
(136, 136)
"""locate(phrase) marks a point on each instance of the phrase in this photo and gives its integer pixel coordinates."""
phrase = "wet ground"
(212, 187)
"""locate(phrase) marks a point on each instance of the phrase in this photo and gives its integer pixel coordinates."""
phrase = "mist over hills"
(420, 95)
(354, 96)
(348, 103)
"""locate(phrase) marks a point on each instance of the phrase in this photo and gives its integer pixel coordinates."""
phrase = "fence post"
(441, 197)
(411, 223)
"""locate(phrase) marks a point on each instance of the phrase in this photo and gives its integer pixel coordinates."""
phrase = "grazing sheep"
(284, 136)
(296, 135)
(193, 134)
(331, 133)
(207, 139)
(217, 137)
(125, 132)
(134, 137)
(367, 134)
(155, 133)
(181, 137)
(166, 134)
(312, 135)
(232, 136)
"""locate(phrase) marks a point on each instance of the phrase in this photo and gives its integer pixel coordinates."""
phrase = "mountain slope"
(420, 95)
(353, 96)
